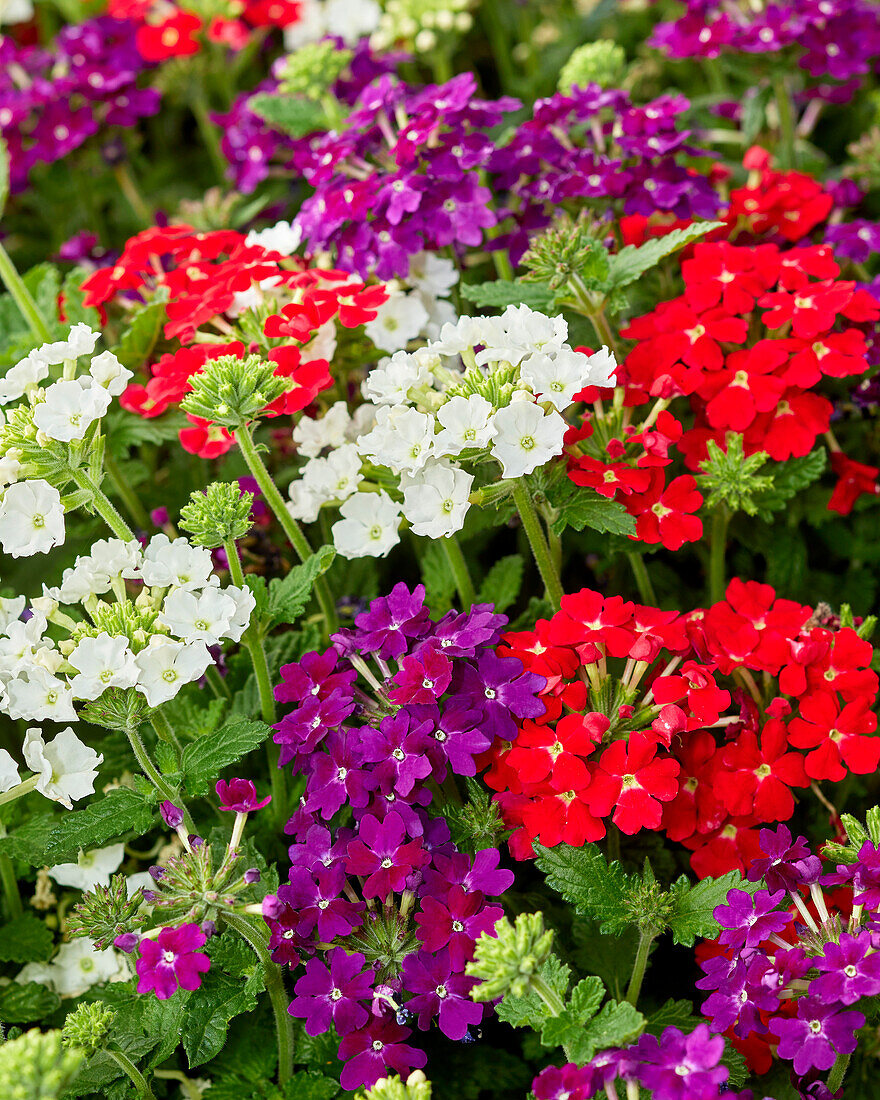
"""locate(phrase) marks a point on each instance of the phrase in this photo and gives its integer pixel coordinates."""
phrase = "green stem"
(22, 297)
(155, 776)
(638, 970)
(126, 494)
(216, 683)
(547, 994)
(717, 551)
(103, 505)
(540, 550)
(288, 524)
(498, 41)
(838, 1071)
(208, 131)
(459, 567)
(10, 883)
(18, 790)
(137, 1078)
(133, 196)
(164, 729)
(274, 987)
(787, 153)
(643, 580)
(603, 331)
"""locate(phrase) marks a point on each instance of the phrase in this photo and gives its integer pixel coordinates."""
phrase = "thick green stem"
(787, 153)
(23, 298)
(137, 1078)
(638, 970)
(643, 580)
(274, 987)
(460, 571)
(164, 730)
(126, 494)
(216, 683)
(155, 776)
(838, 1071)
(547, 994)
(288, 524)
(103, 505)
(18, 791)
(717, 552)
(10, 884)
(540, 550)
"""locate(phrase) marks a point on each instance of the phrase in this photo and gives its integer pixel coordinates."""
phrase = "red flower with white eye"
(173, 37)
(755, 777)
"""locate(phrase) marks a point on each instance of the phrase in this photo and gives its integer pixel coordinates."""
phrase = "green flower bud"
(602, 62)
(509, 961)
(416, 1087)
(35, 1066)
(569, 250)
(313, 69)
(88, 1026)
(106, 912)
(222, 513)
(731, 478)
(232, 392)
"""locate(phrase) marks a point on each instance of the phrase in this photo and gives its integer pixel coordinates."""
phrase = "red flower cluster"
(206, 278)
(790, 204)
(659, 721)
(165, 30)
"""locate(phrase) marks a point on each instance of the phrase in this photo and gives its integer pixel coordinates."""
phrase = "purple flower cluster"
(857, 240)
(839, 39)
(52, 100)
(595, 144)
(787, 942)
(675, 1066)
(390, 904)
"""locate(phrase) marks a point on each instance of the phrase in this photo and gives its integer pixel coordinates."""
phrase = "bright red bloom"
(173, 37)
(696, 808)
(663, 512)
(632, 781)
(755, 779)
(837, 735)
(853, 480)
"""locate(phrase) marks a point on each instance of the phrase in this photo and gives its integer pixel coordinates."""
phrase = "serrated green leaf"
(24, 940)
(437, 577)
(579, 507)
(616, 1025)
(503, 582)
(26, 1002)
(530, 1011)
(501, 293)
(609, 957)
(585, 999)
(119, 812)
(584, 878)
(678, 1014)
(164, 1020)
(289, 595)
(142, 332)
(567, 1029)
(291, 114)
(28, 842)
(219, 999)
(789, 478)
(693, 906)
(632, 261)
(204, 759)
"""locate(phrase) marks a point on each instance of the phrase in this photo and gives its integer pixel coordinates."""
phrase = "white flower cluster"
(76, 967)
(487, 388)
(65, 769)
(31, 513)
(422, 311)
(346, 19)
(155, 643)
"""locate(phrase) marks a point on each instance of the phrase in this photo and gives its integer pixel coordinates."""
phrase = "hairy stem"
(125, 492)
(838, 1071)
(642, 579)
(459, 567)
(787, 152)
(639, 965)
(155, 776)
(540, 550)
(103, 505)
(717, 553)
(23, 298)
(137, 1078)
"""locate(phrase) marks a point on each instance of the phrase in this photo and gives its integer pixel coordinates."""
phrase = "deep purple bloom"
(391, 621)
(380, 852)
(457, 922)
(374, 1050)
(856, 240)
(240, 796)
(502, 690)
(399, 750)
(680, 1066)
(172, 961)
(440, 992)
(788, 864)
(819, 1032)
(568, 1082)
(315, 897)
(332, 995)
(337, 776)
(748, 919)
(848, 971)
(172, 815)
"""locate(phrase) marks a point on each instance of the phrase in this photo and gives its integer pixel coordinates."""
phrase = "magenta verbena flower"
(819, 1032)
(240, 796)
(172, 961)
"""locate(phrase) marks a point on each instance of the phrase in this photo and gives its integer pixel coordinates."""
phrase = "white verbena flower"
(80, 340)
(11, 608)
(9, 776)
(369, 526)
(312, 434)
(398, 320)
(40, 697)
(109, 373)
(66, 767)
(102, 662)
(79, 965)
(467, 422)
(91, 869)
(198, 618)
(31, 518)
(432, 274)
(391, 381)
(166, 665)
(70, 408)
(435, 500)
(281, 237)
(26, 374)
(526, 437)
(244, 602)
(174, 562)
(402, 438)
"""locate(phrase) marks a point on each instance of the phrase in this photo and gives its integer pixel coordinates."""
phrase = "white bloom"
(335, 477)
(10, 468)
(435, 501)
(363, 418)
(9, 776)
(80, 965)
(526, 437)
(322, 345)
(312, 435)
(111, 558)
(176, 562)
(602, 366)
(464, 335)
(244, 602)
(109, 373)
(16, 11)
(20, 641)
(141, 880)
(390, 383)
(369, 526)
(281, 237)
(67, 768)
(26, 374)
(165, 666)
(518, 332)
(347, 19)
(91, 868)
(303, 505)
(71, 408)
(398, 320)
(557, 378)
(401, 439)
(440, 313)
(11, 608)
(198, 618)
(31, 518)
(466, 423)
(77, 583)
(102, 662)
(432, 274)
(41, 696)
(80, 340)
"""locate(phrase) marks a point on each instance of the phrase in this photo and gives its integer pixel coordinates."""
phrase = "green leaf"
(310, 1085)
(204, 759)
(678, 1014)
(788, 479)
(567, 1029)
(142, 332)
(437, 577)
(288, 596)
(692, 906)
(631, 262)
(579, 507)
(294, 115)
(586, 881)
(164, 1020)
(120, 811)
(218, 1000)
(25, 940)
(503, 582)
(44, 283)
(609, 957)
(616, 1025)
(22, 1004)
(501, 293)
(530, 1011)
(28, 842)
(74, 309)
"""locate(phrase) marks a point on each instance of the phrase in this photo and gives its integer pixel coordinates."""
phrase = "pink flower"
(239, 795)
(172, 960)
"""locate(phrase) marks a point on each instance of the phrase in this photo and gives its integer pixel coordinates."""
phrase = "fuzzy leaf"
(437, 577)
(693, 906)
(204, 759)
(22, 1004)
(217, 1001)
(28, 841)
(530, 1011)
(501, 293)
(788, 480)
(567, 1029)
(503, 582)
(678, 1014)
(25, 940)
(289, 595)
(616, 1025)
(631, 262)
(120, 811)
(586, 881)
(310, 1085)
(579, 507)
(292, 115)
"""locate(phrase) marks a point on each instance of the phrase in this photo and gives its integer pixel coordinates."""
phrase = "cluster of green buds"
(313, 69)
(415, 1087)
(857, 834)
(221, 514)
(602, 62)
(233, 392)
(106, 912)
(510, 961)
(37, 1066)
(421, 25)
(88, 1026)
(570, 258)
